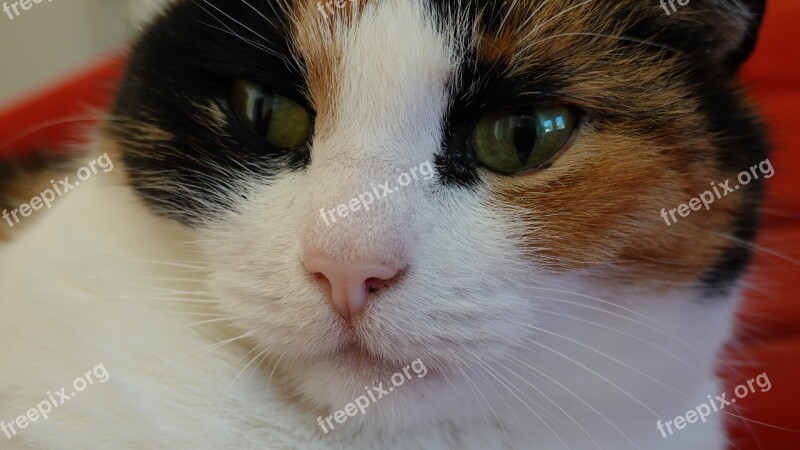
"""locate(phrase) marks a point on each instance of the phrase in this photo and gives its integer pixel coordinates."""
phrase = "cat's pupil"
(524, 135)
(262, 114)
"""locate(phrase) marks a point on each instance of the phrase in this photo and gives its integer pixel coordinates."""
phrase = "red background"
(771, 316)
(770, 332)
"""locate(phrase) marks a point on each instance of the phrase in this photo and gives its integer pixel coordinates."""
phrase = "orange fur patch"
(597, 207)
(315, 41)
(599, 203)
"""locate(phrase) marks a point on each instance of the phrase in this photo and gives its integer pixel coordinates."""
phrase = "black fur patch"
(184, 64)
(186, 60)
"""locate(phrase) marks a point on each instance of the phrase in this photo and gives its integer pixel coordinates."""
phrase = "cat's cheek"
(597, 207)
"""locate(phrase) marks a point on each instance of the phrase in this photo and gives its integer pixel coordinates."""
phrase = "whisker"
(581, 305)
(230, 386)
(620, 332)
(189, 266)
(541, 419)
(53, 123)
(532, 16)
(617, 387)
(519, 362)
(603, 354)
(586, 433)
(756, 247)
(508, 13)
(191, 313)
(619, 38)
(276, 54)
(228, 31)
(469, 380)
(272, 373)
(606, 302)
(272, 24)
(202, 351)
(543, 24)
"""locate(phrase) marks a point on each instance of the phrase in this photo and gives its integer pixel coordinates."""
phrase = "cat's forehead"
(456, 58)
(516, 36)
(355, 72)
(450, 49)
(392, 83)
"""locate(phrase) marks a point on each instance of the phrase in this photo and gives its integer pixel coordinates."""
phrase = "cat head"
(392, 180)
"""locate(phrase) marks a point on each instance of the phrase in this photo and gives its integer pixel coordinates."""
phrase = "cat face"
(507, 151)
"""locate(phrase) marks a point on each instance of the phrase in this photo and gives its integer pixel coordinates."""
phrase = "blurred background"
(61, 36)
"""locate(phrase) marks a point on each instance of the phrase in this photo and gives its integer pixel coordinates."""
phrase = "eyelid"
(294, 92)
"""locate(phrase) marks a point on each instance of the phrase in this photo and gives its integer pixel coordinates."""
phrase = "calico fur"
(552, 309)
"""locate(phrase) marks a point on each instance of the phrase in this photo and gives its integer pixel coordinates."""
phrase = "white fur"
(92, 283)
(103, 280)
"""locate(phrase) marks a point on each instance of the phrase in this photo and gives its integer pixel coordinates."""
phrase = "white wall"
(55, 37)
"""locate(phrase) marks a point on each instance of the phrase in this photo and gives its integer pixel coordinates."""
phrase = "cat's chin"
(330, 383)
(361, 358)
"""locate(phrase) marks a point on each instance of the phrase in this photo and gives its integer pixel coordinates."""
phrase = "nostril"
(372, 285)
(350, 283)
(376, 284)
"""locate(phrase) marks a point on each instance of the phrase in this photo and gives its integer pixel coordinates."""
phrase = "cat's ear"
(746, 16)
(722, 32)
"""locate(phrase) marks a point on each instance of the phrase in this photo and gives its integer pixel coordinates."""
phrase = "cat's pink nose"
(350, 282)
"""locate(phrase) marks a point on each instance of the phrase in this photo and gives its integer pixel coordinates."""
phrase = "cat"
(528, 293)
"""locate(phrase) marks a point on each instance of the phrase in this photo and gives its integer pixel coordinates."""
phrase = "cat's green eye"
(523, 139)
(282, 122)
